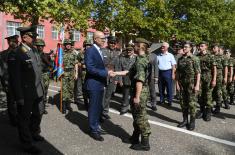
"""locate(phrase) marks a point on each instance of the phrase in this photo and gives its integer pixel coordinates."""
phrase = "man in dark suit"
(25, 70)
(96, 76)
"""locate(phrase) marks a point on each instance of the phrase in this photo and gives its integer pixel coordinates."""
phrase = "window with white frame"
(54, 33)
(11, 28)
(90, 36)
(76, 35)
(40, 31)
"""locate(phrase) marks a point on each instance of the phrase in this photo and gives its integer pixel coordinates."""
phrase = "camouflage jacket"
(140, 71)
(187, 68)
(207, 61)
(70, 60)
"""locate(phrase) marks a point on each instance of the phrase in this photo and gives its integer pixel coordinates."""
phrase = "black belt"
(165, 70)
(68, 69)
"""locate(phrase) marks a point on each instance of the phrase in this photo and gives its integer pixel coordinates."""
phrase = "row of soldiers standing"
(204, 78)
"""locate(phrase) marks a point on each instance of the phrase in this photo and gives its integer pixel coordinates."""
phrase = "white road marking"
(196, 134)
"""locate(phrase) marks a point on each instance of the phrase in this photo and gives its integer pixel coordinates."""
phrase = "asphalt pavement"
(69, 133)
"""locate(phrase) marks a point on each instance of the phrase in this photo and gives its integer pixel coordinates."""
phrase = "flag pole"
(61, 95)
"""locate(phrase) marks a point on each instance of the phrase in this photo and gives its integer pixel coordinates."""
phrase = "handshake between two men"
(111, 73)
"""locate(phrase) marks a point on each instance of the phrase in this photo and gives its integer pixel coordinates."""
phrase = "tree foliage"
(209, 20)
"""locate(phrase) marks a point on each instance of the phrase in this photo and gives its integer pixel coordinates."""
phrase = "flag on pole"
(61, 37)
(58, 68)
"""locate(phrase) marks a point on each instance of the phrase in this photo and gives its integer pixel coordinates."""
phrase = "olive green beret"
(67, 41)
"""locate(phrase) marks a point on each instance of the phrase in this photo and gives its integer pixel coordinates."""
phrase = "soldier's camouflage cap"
(12, 36)
(142, 40)
(39, 42)
(30, 30)
(68, 41)
(87, 43)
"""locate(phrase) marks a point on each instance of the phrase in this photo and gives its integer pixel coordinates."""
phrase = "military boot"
(226, 105)
(216, 110)
(231, 100)
(143, 146)
(200, 112)
(134, 139)
(207, 116)
(191, 125)
(68, 106)
(185, 120)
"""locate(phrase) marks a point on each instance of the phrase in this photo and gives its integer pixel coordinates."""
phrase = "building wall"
(51, 44)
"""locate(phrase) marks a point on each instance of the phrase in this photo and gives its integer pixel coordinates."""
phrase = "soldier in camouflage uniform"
(11, 106)
(231, 62)
(221, 66)
(127, 59)
(140, 74)
(70, 74)
(225, 76)
(208, 81)
(188, 77)
(46, 68)
(111, 61)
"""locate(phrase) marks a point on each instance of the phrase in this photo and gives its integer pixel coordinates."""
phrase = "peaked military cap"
(142, 40)
(39, 42)
(30, 30)
(112, 39)
(12, 36)
(129, 48)
(67, 41)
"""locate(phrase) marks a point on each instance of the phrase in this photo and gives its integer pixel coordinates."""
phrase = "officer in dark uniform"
(46, 68)
(111, 61)
(127, 59)
(25, 70)
(11, 106)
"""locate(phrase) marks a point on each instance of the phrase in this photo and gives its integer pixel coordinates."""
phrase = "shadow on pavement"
(116, 130)
(162, 117)
(78, 119)
(222, 115)
(10, 144)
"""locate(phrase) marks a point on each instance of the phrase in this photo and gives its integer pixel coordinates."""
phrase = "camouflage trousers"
(224, 92)
(68, 86)
(140, 119)
(46, 82)
(217, 91)
(188, 99)
(205, 98)
(230, 89)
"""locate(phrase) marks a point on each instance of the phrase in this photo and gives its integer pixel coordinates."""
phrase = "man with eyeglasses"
(166, 65)
(111, 60)
(95, 81)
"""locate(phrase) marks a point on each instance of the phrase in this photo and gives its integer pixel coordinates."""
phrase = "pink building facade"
(46, 31)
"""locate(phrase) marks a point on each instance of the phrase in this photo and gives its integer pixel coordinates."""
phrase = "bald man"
(166, 66)
(95, 81)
